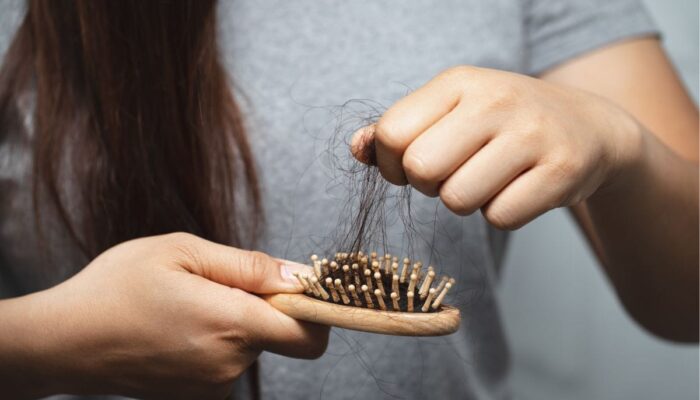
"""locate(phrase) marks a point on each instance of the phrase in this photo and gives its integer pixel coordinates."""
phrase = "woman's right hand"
(167, 316)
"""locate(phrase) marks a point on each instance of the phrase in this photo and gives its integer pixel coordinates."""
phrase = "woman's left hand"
(508, 144)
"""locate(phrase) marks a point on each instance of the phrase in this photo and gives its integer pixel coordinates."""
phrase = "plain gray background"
(569, 336)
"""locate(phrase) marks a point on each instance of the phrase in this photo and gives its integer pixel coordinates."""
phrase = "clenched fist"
(508, 144)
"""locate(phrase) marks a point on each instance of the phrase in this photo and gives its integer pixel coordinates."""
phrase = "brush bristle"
(355, 280)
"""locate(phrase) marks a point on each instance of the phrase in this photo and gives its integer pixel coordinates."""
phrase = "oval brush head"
(369, 294)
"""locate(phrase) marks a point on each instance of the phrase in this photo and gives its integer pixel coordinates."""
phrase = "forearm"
(27, 368)
(645, 223)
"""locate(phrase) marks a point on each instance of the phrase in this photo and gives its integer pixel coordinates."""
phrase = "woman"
(135, 134)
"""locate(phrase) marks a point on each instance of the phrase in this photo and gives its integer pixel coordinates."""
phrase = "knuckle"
(457, 72)
(182, 245)
(495, 101)
(536, 128)
(257, 263)
(506, 96)
(454, 200)
(566, 167)
(416, 168)
(179, 237)
(543, 122)
(501, 217)
(389, 133)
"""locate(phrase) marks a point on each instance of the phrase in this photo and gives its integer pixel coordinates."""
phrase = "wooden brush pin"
(380, 285)
(304, 283)
(416, 269)
(383, 302)
(387, 263)
(346, 274)
(380, 299)
(368, 297)
(395, 301)
(355, 297)
(317, 265)
(428, 300)
(331, 287)
(364, 263)
(423, 292)
(339, 287)
(324, 267)
(368, 279)
(311, 284)
(441, 296)
(404, 271)
(442, 284)
(412, 283)
(321, 290)
(356, 274)
(375, 266)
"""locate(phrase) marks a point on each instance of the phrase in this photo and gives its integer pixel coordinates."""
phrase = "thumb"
(252, 271)
(362, 145)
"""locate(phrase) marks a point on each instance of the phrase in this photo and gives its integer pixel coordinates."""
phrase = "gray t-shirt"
(294, 61)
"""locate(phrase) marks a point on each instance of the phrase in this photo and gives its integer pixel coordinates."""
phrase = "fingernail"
(288, 268)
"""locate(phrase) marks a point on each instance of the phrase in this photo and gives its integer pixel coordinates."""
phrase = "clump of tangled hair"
(370, 199)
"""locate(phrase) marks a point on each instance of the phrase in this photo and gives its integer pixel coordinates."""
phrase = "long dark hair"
(136, 131)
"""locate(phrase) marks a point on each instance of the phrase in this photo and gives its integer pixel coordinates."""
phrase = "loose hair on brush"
(136, 132)
(358, 284)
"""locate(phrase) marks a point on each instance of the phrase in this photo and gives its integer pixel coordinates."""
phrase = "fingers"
(528, 196)
(250, 321)
(271, 330)
(435, 154)
(407, 119)
(487, 172)
(487, 139)
(251, 271)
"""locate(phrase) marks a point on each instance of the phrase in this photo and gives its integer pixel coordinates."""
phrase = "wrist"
(27, 365)
(628, 150)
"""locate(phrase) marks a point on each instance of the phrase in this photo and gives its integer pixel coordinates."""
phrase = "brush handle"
(305, 308)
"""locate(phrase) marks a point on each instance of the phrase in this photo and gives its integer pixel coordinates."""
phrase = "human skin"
(172, 316)
(612, 135)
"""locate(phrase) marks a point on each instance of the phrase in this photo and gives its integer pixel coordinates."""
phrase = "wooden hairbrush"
(369, 294)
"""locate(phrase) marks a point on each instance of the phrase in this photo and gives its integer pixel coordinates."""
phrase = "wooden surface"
(305, 308)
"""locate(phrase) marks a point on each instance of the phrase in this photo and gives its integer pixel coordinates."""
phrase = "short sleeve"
(559, 30)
